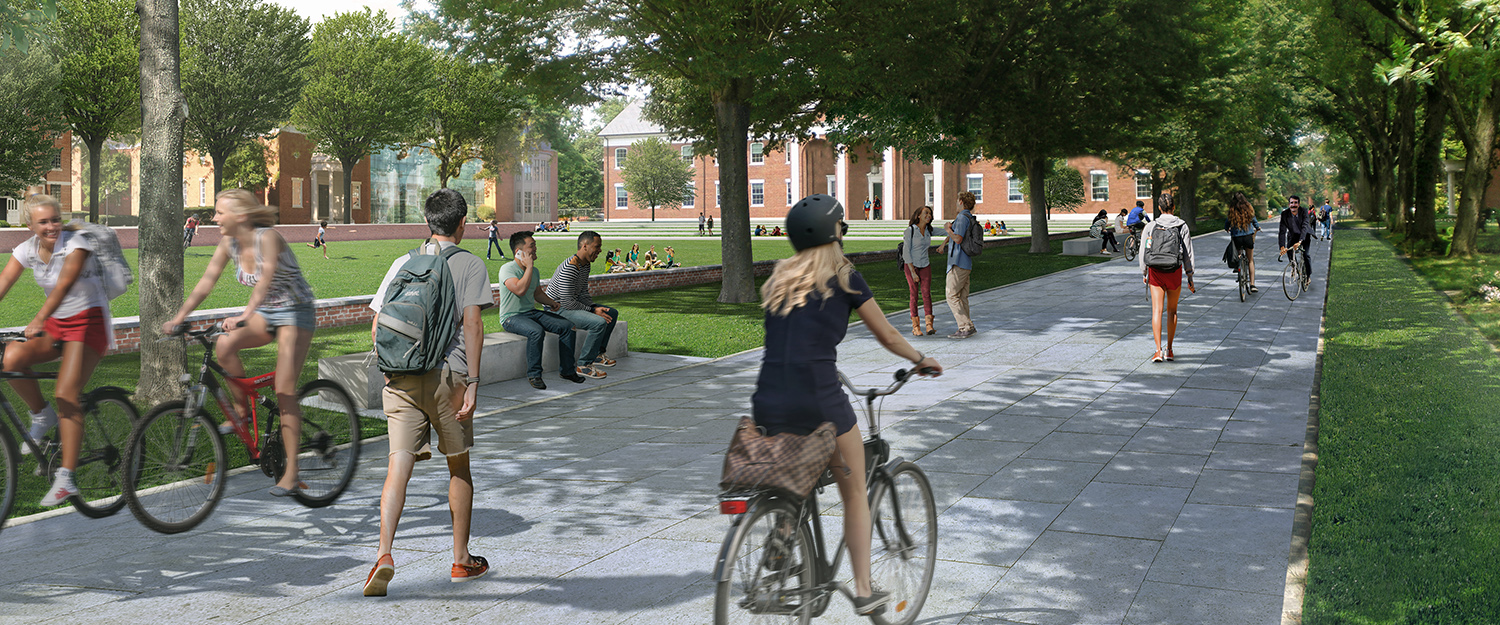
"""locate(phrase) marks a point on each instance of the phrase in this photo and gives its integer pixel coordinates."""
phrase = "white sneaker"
(43, 422)
(62, 489)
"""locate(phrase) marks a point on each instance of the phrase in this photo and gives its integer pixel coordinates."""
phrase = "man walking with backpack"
(961, 230)
(428, 336)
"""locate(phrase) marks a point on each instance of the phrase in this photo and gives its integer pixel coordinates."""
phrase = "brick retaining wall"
(208, 236)
(355, 310)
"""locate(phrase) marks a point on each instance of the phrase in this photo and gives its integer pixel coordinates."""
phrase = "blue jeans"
(494, 245)
(534, 325)
(598, 329)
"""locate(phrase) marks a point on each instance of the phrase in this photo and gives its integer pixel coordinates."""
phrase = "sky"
(316, 10)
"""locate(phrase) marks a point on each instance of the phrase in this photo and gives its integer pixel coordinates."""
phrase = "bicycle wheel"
(108, 418)
(179, 464)
(1291, 280)
(1131, 243)
(10, 468)
(1243, 277)
(329, 450)
(905, 542)
(770, 572)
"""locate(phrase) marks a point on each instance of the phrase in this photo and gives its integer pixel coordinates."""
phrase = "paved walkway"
(1077, 483)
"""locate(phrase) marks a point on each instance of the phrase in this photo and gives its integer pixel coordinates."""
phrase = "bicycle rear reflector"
(733, 506)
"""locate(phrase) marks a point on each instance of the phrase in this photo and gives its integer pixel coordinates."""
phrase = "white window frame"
(788, 191)
(296, 193)
(977, 190)
(620, 155)
(687, 152)
(692, 196)
(1094, 189)
(1139, 175)
(526, 205)
(622, 198)
(355, 205)
(718, 196)
(757, 153)
(1013, 191)
(758, 187)
(833, 185)
(202, 191)
(787, 152)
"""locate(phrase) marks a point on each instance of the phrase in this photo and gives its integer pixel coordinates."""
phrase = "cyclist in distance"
(1242, 227)
(1136, 220)
(280, 309)
(73, 324)
(807, 302)
(1294, 230)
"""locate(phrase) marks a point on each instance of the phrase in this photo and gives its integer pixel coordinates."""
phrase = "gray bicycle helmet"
(814, 221)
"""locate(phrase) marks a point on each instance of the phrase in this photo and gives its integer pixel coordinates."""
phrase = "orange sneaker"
(380, 576)
(467, 572)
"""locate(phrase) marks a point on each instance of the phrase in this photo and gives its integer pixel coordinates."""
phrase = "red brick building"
(58, 181)
(778, 178)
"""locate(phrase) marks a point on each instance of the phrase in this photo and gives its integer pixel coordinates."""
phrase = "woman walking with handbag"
(916, 243)
(807, 302)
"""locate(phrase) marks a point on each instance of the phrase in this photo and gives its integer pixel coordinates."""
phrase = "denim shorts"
(300, 315)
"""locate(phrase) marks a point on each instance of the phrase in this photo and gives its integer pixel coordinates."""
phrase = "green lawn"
(356, 267)
(1405, 526)
(1461, 276)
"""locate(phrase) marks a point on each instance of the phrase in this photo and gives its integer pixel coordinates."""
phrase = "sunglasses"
(843, 228)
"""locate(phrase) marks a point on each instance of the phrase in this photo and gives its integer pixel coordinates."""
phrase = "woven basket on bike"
(786, 461)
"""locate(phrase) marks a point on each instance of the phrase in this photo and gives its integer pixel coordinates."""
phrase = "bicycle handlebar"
(902, 377)
(212, 330)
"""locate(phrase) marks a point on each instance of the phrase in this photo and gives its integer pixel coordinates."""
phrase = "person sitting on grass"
(519, 314)
(670, 262)
(649, 260)
(777, 232)
(569, 287)
(633, 259)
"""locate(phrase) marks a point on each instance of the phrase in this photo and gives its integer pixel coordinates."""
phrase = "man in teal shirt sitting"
(519, 314)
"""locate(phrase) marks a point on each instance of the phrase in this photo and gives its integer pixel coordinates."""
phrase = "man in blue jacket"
(1294, 231)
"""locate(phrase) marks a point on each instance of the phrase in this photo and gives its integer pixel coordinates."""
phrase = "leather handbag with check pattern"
(786, 461)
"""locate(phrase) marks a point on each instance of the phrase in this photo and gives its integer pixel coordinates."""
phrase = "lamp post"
(1451, 167)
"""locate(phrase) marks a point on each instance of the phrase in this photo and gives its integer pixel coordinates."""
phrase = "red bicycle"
(178, 457)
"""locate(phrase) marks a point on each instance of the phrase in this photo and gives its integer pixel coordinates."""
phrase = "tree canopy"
(656, 175)
(30, 118)
(99, 78)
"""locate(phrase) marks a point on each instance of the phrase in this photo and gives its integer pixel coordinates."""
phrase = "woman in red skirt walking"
(1163, 277)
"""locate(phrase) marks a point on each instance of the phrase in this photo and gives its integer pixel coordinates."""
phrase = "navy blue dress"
(799, 388)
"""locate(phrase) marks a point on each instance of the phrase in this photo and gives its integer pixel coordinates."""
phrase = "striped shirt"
(288, 287)
(570, 286)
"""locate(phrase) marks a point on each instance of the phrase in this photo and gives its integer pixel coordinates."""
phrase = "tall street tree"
(363, 89)
(99, 76)
(656, 175)
(468, 110)
(242, 63)
(163, 111)
(30, 119)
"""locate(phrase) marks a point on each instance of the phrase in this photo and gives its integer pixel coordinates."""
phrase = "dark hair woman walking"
(916, 243)
(1165, 281)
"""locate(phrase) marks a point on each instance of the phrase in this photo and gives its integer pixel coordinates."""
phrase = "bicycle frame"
(208, 385)
(15, 417)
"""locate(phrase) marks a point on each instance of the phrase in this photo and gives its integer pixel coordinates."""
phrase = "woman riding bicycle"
(74, 323)
(280, 309)
(1242, 227)
(807, 302)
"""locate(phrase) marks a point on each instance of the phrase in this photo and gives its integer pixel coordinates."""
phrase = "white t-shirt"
(88, 290)
(472, 282)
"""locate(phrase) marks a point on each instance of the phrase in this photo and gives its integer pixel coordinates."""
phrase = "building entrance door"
(877, 192)
(322, 201)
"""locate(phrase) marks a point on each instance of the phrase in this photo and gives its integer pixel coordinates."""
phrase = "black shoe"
(537, 383)
(573, 377)
(873, 604)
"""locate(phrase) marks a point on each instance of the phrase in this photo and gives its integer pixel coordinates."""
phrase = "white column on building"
(841, 172)
(939, 194)
(888, 180)
(796, 153)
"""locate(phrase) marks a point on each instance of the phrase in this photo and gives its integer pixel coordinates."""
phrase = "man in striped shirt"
(570, 288)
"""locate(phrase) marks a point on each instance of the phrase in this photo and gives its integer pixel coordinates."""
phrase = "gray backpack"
(418, 318)
(113, 269)
(973, 243)
(1164, 248)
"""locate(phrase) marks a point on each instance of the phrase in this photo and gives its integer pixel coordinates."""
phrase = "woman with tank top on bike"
(280, 309)
(73, 324)
(807, 302)
(1242, 227)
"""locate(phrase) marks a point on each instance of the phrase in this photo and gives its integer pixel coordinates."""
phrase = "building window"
(356, 203)
(691, 197)
(718, 197)
(788, 191)
(202, 191)
(57, 161)
(787, 152)
(296, 193)
(757, 193)
(1013, 192)
(541, 202)
(757, 153)
(833, 186)
(1099, 183)
(622, 200)
(687, 153)
(976, 186)
(55, 190)
(619, 158)
(1142, 185)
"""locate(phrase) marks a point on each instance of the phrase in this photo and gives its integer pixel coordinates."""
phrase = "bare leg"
(851, 454)
(20, 357)
(460, 505)
(78, 364)
(227, 350)
(1172, 296)
(393, 498)
(292, 344)
(1157, 294)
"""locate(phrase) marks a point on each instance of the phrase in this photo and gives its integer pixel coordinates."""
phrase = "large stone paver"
(1077, 482)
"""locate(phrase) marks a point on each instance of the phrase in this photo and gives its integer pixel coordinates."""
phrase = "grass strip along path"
(1405, 528)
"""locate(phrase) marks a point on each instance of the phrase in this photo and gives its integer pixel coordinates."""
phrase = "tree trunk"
(1429, 167)
(1406, 132)
(95, 146)
(1036, 192)
(162, 115)
(219, 157)
(442, 170)
(1364, 190)
(1476, 175)
(732, 123)
(1187, 191)
(348, 165)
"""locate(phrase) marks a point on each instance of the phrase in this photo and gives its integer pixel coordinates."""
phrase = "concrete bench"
(1082, 247)
(503, 357)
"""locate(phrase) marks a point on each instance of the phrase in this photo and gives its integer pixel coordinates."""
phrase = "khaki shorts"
(415, 405)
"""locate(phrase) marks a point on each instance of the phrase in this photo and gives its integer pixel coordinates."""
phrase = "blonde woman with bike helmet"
(280, 309)
(73, 324)
(807, 302)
